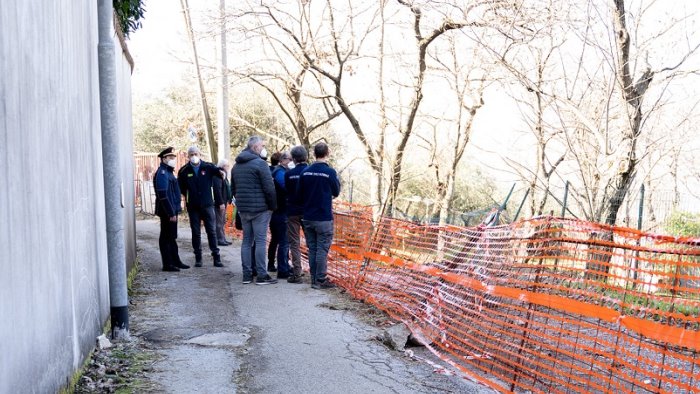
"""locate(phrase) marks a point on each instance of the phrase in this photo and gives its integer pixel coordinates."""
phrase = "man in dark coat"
(196, 184)
(254, 191)
(222, 197)
(279, 246)
(295, 210)
(318, 186)
(167, 209)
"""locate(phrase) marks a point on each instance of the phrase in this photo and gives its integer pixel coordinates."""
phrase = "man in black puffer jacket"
(196, 184)
(254, 191)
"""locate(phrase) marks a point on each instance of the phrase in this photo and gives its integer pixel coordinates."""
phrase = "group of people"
(288, 197)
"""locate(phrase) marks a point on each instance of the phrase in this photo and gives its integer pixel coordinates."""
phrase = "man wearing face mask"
(252, 186)
(196, 184)
(167, 209)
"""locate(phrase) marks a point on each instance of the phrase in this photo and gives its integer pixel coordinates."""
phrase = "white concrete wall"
(126, 144)
(54, 295)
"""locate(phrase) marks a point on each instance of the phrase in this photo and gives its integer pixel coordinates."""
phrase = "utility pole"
(211, 141)
(111, 169)
(222, 113)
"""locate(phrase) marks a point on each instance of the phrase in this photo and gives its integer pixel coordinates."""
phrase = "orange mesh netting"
(545, 305)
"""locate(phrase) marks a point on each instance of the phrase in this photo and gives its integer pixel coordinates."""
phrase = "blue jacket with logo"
(291, 179)
(167, 192)
(317, 187)
(198, 189)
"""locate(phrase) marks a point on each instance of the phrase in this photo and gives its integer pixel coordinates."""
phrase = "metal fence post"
(521, 205)
(641, 207)
(566, 197)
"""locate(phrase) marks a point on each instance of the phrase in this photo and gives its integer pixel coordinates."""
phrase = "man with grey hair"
(196, 184)
(252, 186)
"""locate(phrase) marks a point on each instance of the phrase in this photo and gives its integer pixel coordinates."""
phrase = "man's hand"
(222, 206)
(173, 218)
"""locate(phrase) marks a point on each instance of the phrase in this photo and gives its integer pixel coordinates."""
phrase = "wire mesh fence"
(540, 305)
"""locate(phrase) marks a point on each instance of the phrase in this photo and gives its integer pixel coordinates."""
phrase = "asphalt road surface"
(214, 334)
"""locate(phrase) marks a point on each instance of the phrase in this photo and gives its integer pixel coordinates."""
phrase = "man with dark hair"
(279, 247)
(196, 184)
(274, 239)
(167, 209)
(254, 191)
(318, 186)
(295, 210)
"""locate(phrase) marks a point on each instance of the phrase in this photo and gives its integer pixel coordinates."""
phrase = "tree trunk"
(211, 141)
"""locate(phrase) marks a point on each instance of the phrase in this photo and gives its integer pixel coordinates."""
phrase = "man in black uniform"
(196, 184)
(167, 209)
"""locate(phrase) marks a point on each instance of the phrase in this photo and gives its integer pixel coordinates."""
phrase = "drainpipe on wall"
(114, 204)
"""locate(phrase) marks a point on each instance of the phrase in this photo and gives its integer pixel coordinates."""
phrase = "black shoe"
(326, 284)
(266, 281)
(271, 268)
(198, 263)
(170, 268)
(217, 261)
(182, 266)
(294, 279)
(224, 243)
(283, 276)
(247, 279)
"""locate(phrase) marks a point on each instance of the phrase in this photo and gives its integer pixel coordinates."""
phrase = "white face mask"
(291, 165)
(171, 163)
(263, 153)
(194, 160)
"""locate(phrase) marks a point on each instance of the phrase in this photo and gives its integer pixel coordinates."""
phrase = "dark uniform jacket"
(251, 183)
(167, 192)
(222, 190)
(291, 179)
(278, 178)
(317, 187)
(198, 188)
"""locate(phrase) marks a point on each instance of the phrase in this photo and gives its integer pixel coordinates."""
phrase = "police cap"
(167, 151)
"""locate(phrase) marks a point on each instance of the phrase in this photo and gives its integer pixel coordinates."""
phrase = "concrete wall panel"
(54, 291)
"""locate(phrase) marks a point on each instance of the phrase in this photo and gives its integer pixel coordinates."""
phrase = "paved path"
(215, 335)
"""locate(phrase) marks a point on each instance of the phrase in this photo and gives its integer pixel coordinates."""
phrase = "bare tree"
(282, 71)
(450, 135)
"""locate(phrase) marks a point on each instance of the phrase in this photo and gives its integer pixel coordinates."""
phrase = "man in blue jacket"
(252, 186)
(318, 186)
(167, 209)
(196, 184)
(295, 210)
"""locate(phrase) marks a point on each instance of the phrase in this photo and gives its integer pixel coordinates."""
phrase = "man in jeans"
(252, 186)
(295, 210)
(318, 186)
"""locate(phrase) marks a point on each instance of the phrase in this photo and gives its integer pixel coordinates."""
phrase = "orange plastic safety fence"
(544, 305)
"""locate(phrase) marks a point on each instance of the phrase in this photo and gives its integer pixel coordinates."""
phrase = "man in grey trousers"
(252, 186)
(318, 186)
